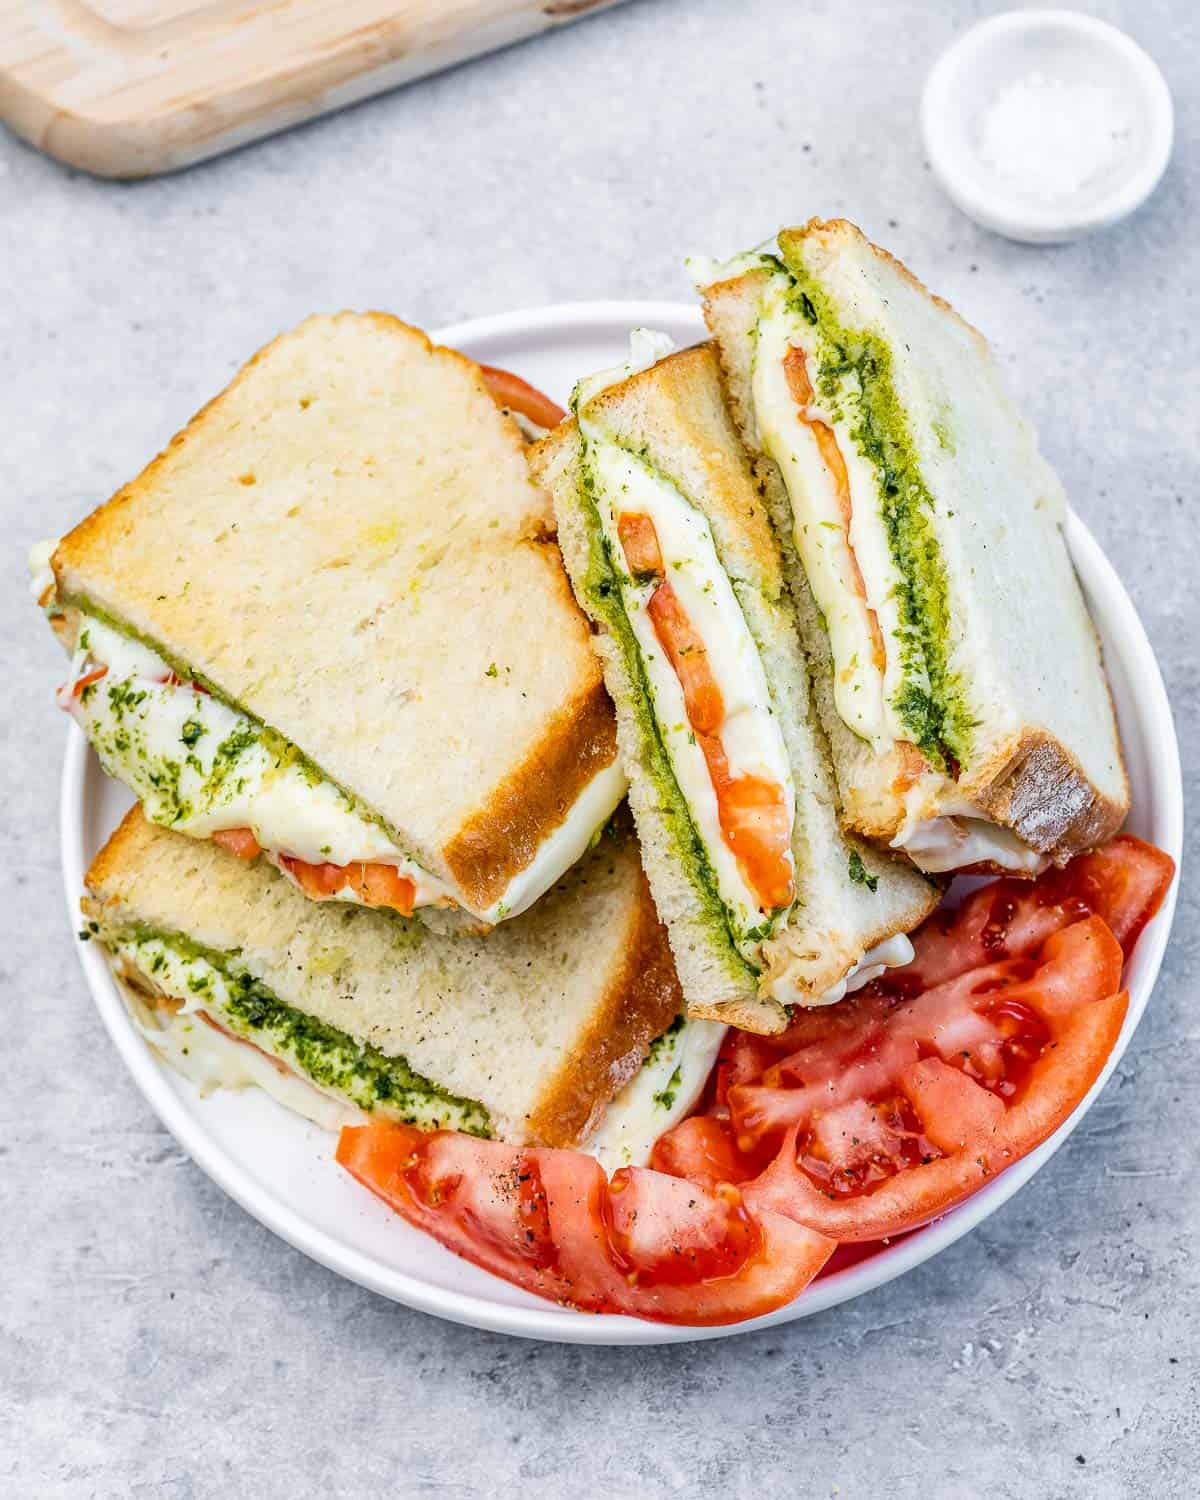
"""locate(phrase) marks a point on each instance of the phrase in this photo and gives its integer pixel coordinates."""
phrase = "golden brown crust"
(503, 836)
(642, 1000)
(122, 844)
(1042, 793)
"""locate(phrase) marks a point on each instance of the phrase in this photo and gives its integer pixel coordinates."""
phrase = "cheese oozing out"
(180, 1034)
(750, 734)
(211, 1059)
(893, 953)
(276, 1047)
(662, 1092)
(943, 831)
(41, 574)
(202, 767)
(854, 581)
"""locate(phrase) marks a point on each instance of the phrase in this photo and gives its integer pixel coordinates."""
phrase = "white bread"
(541, 1022)
(1043, 756)
(674, 416)
(346, 545)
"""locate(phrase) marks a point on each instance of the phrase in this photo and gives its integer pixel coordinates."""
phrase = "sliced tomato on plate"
(701, 1149)
(645, 1244)
(1124, 882)
(887, 1110)
(862, 1121)
(510, 391)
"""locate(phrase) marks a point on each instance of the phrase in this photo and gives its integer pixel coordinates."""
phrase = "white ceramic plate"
(281, 1169)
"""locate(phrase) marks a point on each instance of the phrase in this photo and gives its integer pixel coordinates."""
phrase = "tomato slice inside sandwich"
(374, 884)
(795, 369)
(549, 1221)
(754, 815)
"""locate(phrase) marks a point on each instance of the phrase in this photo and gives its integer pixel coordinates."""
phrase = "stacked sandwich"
(327, 641)
(820, 625)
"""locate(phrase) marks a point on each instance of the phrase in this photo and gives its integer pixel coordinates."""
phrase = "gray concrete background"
(154, 1340)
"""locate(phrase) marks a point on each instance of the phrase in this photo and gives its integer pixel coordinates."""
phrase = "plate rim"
(549, 1323)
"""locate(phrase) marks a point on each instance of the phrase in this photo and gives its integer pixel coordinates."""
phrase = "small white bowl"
(1046, 52)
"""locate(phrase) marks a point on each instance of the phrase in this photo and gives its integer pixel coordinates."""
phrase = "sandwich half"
(525, 1034)
(671, 553)
(956, 670)
(330, 624)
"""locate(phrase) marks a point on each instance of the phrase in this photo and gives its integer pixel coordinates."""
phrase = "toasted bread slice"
(994, 711)
(673, 419)
(525, 1034)
(345, 545)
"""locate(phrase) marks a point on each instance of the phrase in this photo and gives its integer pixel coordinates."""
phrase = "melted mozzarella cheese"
(565, 844)
(41, 574)
(944, 831)
(892, 953)
(861, 691)
(750, 733)
(208, 1058)
(646, 347)
(663, 1091)
(708, 270)
(939, 845)
(201, 767)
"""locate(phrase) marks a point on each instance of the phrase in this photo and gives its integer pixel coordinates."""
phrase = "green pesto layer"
(277, 745)
(332, 1058)
(604, 585)
(855, 377)
(156, 778)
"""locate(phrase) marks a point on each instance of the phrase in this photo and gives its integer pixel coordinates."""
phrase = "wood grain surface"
(129, 88)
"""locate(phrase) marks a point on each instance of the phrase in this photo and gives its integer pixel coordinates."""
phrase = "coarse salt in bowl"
(1045, 125)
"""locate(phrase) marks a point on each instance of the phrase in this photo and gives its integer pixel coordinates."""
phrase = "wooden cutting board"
(127, 88)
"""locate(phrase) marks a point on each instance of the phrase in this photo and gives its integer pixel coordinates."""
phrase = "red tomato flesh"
(639, 542)
(1124, 882)
(87, 679)
(874, 1115)
(239, 841)
(648, 1245)
(374, 884)
(510, 391)
(173, 679)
